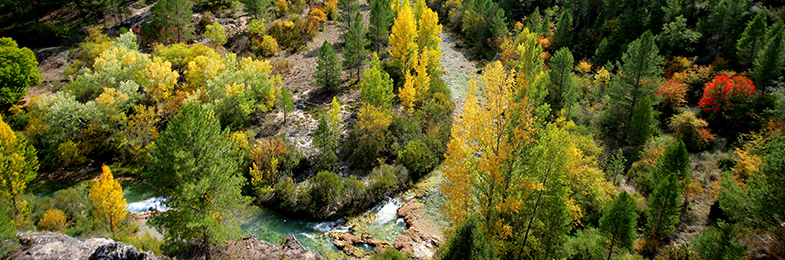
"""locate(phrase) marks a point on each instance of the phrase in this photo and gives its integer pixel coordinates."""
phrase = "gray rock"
(119, 251)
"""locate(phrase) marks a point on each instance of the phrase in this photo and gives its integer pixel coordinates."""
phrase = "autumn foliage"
(107, 197)
(722, 91)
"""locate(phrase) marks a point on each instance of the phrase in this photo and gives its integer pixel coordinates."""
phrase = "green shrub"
(469, 243)
(326, 161)
(586, 244)
(325, 193)
(418, 158)
(390, 253)
(385, 179)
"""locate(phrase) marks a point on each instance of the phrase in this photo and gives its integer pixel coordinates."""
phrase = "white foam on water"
(332, 227)
(310, 236)
(146, 205)
(388, 211)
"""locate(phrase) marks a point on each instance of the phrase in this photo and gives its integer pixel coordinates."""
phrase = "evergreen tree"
(676, 160)
(381, 19)
(286, 102)
(618, 222)
(638, 77)
(603, 53)
(258, 9)
(328, 70)
(770, 62)
(663, 213)
(720, 243)
(563, 35)
(562, 90)
(173, 14)
(752, 39)
(194, 167)
(469, 243)
(376, 87)
(354, 51)
(641, 126)
(346, 12)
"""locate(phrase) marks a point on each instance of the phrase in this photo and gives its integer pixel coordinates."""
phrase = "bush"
(268, 46)
(469, 242)
(325, 193)
(327, 161)
(586, 244)
(692, 130)
(386, 179)
(418, 158)
(390, 253)
(286, 35)
(54, 220)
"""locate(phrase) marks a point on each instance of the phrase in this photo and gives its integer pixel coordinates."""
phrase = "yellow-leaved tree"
(408, 93)
(403, 39)
(18, 166)
(479, 172)
(108, 202)
(428, 29)
(162, 79)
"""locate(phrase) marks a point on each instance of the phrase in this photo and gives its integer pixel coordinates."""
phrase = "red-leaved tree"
(720, 93)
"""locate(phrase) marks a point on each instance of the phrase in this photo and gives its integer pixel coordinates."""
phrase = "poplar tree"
(354, 51)
(286, 102)
(328, 70)
(194, 167)
(18, 70)
(403, 39)
(752, 39)
(663, 213)
(563, 86)
(376, 88)
(618, 222)
(381, 19)
(18, 166)
(107, 197)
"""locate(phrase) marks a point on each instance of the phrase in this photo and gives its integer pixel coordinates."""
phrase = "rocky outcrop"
(417, 240)
(48, 245)
(347, 241)
(252, 248)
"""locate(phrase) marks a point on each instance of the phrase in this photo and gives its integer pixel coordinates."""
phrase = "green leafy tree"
(618, 222)
(638, 77)
(720, 243)
(346, 12)
(328, 70)
(663, 213)
(563, 35)
(194, 167)
(641, 126)
(18, 166)
(173, 14)
(381, 19)
(469, 243)
(676, 38)
(216, 33)
(562, 91)
(752, 39)
(18, 70)
(354, 51)
(376, 88)
(286, 102)
(328, 131)
(257, 8)
(770, 61)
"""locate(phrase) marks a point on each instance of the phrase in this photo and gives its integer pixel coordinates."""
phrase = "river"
(381, 222)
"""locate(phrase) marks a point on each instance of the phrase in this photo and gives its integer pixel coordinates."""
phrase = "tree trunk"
(610, 252)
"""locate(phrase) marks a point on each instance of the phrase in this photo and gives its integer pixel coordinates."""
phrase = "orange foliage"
(673, 93)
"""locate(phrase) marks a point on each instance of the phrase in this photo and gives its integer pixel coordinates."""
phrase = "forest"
(584, 129)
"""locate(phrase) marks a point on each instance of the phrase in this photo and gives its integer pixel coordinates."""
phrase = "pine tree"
(328, 73)
(562, 90)
(641, 126)
(107, 197)
(286, 102)
(720, 243)
(376, 87)
(638, 77)
(563, 34)
(18, 166)
(618, 222)
(257, 8)
(752, 39)
(770, 61)
(469, 243)
(346, 12)
(173, 14)
(354, 52)
(675, 160)
(403, 39)
(381, 19)
(194, 167)
(663, 213)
